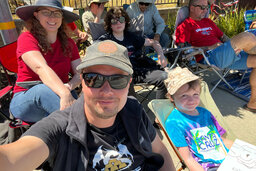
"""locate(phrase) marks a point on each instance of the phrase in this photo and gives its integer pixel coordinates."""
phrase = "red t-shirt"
(72, 26)
(198, 33)
(60, 63)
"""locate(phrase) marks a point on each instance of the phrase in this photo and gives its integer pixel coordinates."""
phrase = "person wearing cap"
(45, 58)
(154, 25)
(146, 70)
(193, 129)
(103, 130)
(94, 13)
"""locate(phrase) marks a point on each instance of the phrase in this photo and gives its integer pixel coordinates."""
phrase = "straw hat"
(26, 12)
(177, 77)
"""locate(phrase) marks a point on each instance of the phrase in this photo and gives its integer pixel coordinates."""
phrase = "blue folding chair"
(249, 17)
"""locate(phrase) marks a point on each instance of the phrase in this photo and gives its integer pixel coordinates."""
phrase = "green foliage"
(171, 21)
(231, 23)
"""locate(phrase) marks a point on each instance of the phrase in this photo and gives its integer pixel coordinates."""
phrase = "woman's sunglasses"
(94, 80)
(202, 7)
(143, 3)
(115, 20)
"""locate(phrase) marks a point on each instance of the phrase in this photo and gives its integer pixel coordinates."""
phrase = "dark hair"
(192, 2)
(116, 12)
(36, 29)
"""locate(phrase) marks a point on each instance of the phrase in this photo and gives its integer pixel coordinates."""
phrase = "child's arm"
(228, 143)
(192, 164)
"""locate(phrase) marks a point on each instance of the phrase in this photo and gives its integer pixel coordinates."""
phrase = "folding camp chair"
(97, 30)
(9, 67)
(163, 107)
(189, 52)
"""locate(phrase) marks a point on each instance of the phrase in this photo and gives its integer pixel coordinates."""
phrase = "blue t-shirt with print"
(201, 134)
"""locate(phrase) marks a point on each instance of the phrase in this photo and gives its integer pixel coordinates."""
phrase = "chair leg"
(147, 95)
(222, 78)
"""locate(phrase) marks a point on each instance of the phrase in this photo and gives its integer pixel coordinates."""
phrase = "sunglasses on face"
(115, 20)
(98, 4)
(49, 13)
(143, 3)
(202, 7)
(94, 80)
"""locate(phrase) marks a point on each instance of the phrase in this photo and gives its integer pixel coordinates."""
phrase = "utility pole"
(7, 26)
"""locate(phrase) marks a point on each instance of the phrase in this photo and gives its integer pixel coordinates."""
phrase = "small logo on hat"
(107, 47)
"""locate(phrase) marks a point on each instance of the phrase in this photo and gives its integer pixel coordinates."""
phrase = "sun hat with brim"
(97, 1)
(107, 53)
(26, 12)
(146, 1)
(178, 77)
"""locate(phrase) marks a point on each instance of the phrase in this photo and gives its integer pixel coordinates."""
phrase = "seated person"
(45, 57)
(235, 53)
(94, 13)
(103, 130)
(153, 23)
(193, 130)
(145, 69)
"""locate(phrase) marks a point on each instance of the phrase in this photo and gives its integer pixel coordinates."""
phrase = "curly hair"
(36, 29)
(116, 12)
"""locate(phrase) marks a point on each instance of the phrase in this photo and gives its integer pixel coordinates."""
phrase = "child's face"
(187, 99)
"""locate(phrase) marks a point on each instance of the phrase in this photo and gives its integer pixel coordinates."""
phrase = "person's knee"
(244, 41)
(164, 40)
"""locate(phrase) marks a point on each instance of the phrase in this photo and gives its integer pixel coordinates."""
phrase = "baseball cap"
(97, 1)
(177, 77)
(109, 53)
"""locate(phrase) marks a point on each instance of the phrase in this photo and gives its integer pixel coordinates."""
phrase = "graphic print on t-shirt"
(208, 143)
(111, 160)
(204, 31)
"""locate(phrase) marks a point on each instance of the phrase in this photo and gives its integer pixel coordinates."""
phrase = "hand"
(157, 37)
(214, 46)
(100, 10)
(66, 101)
(83, 36)
(162, 60)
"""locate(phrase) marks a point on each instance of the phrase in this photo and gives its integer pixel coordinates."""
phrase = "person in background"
(46, 56)
(103, 130)
(145, 69)
(94, 13)
(193, 129)
(154, 25)
(238, 53)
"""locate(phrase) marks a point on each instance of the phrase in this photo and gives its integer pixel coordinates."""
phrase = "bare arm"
(228, 143)
(156, 45)
(99, 13)
(37, 63)
(158, 147)
(192, 164)
(75, 81)
(25, 154)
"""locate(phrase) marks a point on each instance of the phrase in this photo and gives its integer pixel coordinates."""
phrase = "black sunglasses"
(98, 3)
(202, 7)
(143, 3)
(115, 20)
(95, 80)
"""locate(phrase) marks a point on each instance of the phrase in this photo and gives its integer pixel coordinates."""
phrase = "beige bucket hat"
(177, 77)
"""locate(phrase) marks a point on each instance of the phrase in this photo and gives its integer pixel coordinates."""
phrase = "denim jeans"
(35, 103)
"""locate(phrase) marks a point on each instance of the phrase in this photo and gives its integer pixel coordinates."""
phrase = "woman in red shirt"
(45, 55)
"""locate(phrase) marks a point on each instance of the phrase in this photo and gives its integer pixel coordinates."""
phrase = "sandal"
(249, 109)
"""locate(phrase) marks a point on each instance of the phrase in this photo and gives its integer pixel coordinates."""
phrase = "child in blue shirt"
(194, 130)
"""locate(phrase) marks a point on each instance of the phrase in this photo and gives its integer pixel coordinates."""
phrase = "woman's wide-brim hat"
(26, 12)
